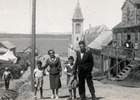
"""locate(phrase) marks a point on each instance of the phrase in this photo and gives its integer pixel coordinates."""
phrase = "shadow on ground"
(66, 96)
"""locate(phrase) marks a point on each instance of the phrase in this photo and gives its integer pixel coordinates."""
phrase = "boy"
(69, 70)
(38, 78)
(7, 76)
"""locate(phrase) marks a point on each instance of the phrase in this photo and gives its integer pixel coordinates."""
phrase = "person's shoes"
(35, 97)
(52, 97)
(82, 96)
(41, 97)
(69, 98)
(74, 97)
(94, 97)
(56, 97)
(83, 99)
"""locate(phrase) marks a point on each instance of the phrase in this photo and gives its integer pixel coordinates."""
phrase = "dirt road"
(103, 91)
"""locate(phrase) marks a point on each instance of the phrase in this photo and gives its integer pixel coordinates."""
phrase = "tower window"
(78, 28)
(128, 37)
(136, 37)
(77, 38)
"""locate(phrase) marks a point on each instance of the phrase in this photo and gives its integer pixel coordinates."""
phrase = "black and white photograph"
(69, 49)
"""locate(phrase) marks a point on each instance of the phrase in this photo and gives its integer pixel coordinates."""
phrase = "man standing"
(84, 65)
(128, 48)
(6, 77)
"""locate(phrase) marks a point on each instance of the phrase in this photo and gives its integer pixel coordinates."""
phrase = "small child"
(7, 76)
(69, 70)
(38, 78)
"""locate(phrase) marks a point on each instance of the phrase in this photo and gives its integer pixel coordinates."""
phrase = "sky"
(56, 15)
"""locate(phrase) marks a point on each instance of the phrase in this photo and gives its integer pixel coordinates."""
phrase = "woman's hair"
(39, 62)
(82, 42)
(71, 57)
(50, 51)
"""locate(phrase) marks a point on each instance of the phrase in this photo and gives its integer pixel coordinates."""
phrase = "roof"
(78, 13)
(8, 44)
(10, 55)
(29, 49)
(120, 25)
(102, 40)
(135, 1)
(3, 50)
(2, 58)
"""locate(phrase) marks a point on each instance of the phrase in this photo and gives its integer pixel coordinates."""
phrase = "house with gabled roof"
(28, 50)
(121, 62)
(103, 39)
(5, 46)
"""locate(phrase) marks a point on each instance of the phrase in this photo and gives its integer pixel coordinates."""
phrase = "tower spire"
(78, 5)
(78, 13)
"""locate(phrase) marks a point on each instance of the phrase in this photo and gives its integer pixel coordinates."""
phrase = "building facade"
(121, 61)
(104, 39)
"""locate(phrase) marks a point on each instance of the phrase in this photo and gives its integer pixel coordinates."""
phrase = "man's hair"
(39, 62)
(82, 42)
(50, 51)
(71, 57)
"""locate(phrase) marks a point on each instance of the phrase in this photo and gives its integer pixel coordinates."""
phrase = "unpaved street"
(103, 91)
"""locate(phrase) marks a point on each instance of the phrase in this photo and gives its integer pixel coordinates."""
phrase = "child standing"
(38, 78)
(69, 70)
(7, 76)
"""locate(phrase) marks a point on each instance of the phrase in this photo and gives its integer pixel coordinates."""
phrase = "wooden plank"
(108, 67)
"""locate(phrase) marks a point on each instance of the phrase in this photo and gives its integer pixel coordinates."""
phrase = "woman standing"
(55, 72)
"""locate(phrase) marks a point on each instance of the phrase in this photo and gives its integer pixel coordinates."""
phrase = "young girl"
(69, 70)
(38, 78)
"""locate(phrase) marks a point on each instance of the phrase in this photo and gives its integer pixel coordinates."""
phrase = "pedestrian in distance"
(55, 72)
(38, 79)
(84, 65)
(69, 71)
(7, 76)
(128, 47)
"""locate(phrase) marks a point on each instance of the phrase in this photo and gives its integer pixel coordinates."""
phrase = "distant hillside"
(93, 32)
(44, 42)
(44, 35)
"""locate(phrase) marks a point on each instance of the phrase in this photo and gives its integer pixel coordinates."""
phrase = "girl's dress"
(69, 69)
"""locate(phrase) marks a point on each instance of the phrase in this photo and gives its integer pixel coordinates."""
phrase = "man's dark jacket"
(85, 64)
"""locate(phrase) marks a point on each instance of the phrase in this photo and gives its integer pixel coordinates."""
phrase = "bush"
(2, 69)
(14, 68)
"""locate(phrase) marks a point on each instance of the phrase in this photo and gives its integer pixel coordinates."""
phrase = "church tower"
(77, 31)
(77, 26)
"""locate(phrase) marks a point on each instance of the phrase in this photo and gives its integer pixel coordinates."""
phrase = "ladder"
(125, 71)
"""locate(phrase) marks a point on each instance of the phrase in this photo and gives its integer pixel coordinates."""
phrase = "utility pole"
(33, 42)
